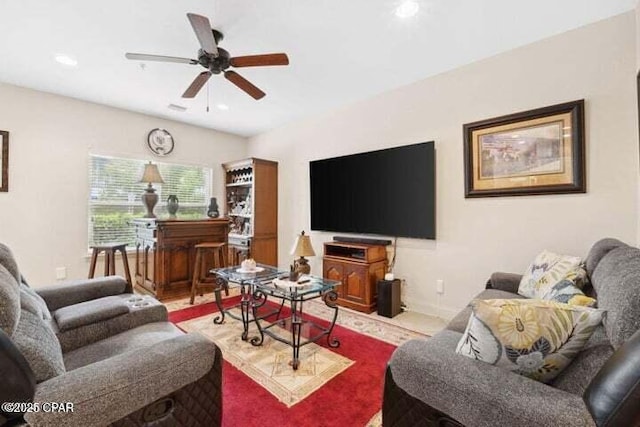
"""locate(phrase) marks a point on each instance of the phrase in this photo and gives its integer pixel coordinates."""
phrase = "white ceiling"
(341, 51)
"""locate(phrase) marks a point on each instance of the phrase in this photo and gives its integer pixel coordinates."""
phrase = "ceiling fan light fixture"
(66, 60)
(223, 107)
(407, 9)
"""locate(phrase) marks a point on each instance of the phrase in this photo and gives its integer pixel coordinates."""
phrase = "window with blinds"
(115, 195)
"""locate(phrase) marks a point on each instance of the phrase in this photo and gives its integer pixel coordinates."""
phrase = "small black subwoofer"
(389, 298)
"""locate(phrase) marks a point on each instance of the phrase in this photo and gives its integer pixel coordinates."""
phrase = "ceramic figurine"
(293, 273)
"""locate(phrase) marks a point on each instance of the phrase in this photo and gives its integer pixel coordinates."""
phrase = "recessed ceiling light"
(224, 107)
(407, 9)
(66, 60)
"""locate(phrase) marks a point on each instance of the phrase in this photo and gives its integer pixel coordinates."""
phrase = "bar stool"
(110, 250)
(219, 260)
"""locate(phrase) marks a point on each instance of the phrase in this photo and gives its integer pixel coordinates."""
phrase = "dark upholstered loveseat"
(428, 384)
(110, 353)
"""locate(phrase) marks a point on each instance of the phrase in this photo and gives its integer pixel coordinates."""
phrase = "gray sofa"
(428, 384)
(111, 353)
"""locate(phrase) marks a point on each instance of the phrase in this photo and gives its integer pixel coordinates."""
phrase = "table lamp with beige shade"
(302, 248)
(150, 175)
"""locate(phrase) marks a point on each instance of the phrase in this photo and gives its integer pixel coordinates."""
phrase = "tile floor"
(413, 321)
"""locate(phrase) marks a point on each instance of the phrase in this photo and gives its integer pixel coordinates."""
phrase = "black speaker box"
(389, 304)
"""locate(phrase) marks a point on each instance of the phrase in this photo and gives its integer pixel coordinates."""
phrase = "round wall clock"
(160, 142)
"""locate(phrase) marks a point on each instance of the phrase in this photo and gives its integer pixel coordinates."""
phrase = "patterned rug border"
(372, 327)
(361, 323)
(376, 420)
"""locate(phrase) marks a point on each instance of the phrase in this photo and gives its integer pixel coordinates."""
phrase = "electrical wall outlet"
(61, 273)
(440, 286)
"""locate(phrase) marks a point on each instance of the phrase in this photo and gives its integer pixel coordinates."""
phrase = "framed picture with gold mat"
(533, 152)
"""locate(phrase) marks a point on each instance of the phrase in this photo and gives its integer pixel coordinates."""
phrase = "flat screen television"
(389, 192)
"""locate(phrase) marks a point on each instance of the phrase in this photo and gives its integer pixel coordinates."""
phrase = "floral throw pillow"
(546, 271)
(534, 338)
(578, 276)
(566, 291)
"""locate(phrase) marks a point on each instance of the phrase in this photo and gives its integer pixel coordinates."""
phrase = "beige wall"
(478, 236)
(43, 217)
(637, 10)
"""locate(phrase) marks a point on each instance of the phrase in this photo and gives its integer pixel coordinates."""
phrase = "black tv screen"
(390, 192)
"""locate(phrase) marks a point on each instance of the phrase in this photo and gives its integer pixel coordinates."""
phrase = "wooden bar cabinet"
(252, 205)
(165, 253)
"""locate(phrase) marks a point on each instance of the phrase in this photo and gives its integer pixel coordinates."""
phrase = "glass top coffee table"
(256, 288)
(233, 277)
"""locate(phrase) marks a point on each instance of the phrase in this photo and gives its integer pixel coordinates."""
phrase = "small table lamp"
(303, 248)
(150, 198)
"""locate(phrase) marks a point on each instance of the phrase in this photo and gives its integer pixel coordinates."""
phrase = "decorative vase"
(172, 206)
(212, 210)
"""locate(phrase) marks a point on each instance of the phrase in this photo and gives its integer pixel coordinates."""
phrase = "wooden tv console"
(359, 267)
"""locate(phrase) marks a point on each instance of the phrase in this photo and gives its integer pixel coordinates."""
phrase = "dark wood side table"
(359, 267)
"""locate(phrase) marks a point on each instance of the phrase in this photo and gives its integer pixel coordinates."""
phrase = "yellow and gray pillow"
(566, 291)
(534, 338)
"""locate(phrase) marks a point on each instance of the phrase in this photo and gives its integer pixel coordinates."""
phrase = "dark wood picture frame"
(533, 152)
(638, 99)
(4, 164)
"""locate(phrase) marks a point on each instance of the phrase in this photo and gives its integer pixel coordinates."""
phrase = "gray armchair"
(111, 353)
(428, 384)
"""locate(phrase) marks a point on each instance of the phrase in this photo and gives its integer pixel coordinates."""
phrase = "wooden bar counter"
(165, 253)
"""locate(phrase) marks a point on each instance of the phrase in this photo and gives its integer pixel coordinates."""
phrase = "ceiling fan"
(216, 60)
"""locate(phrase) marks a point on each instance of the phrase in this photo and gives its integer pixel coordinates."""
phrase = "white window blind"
(115, 195)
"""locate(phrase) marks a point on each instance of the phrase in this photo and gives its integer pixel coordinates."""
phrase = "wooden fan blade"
(204, 33)
(197, 84)
(260, 60)
(159, 58)
(244, 84)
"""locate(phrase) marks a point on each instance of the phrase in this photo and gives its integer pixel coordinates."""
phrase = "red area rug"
(350, 399)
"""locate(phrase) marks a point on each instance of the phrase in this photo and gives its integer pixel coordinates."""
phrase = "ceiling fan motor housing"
(215, 64)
